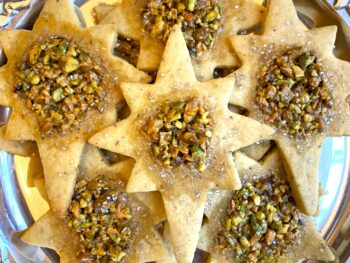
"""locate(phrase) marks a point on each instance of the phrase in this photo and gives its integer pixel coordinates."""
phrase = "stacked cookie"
(161, 115)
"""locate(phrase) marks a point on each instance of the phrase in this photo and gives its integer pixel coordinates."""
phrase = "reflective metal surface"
(14, 216)
(16, 213)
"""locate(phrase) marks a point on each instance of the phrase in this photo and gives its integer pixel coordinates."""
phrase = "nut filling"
(101, 217)
(60, 83)
(201, 20)
(181, 133)
(262, 222)
(128, 49)
(295, 95)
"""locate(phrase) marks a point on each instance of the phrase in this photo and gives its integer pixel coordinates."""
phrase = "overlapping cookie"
(260, 223)
(291, 80)
(181, 135)
(22, 148)
(258, 150)
(103, 222)
(206, 26)
(62, 83)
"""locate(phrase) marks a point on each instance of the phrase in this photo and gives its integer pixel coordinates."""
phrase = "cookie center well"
(295, 94)
(200, 21)
(60, 83)
(261, 221)
(180, 133)
(100, 215)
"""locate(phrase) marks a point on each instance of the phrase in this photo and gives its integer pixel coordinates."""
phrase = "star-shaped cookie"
(60, 155)
(51, 231)
(311, 246)
(22, 148)
(183, 188)
(237, 14)
(92, 155)
(146, 244)
(283, 31)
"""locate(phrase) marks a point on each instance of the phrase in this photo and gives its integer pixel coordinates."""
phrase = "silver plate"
(16, 215)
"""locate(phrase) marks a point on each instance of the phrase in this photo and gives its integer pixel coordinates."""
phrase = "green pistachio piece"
(165, 137)
(260, 215)
(208, 133)
(288, 82)
(178, 124)
(307, 118)
(313, 73)
(298, 72)
(35, 79)
(62, 47)
(256, 200)
(56, 116)
(211, 15)
(191, 4)
(46, 59)
(228, 224)
(283, 229)
(70, 64)
(244, 242)
(178, 105)
(181, 7)
(287, 72)
(197, 152)
(58, 95)
(236, 220)
(72, 51)
(305, 60)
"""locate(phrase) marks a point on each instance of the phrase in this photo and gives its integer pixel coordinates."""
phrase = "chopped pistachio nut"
(294, 95)
(128, 49)
(201, 20)
(101, 217)
(262, 222)
(181, 133)
(60, 83)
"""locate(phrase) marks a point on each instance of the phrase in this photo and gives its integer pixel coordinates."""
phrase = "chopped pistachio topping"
(60, 83)
(294, 94)
(201, 20)
(101, 217)
(181, 133)
(262, 222)
(128, 49)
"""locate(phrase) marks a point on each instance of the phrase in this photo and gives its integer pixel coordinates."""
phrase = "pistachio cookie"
(291, 80)
(206, 25)
(61, 81)
(260, 222)
(181, 135)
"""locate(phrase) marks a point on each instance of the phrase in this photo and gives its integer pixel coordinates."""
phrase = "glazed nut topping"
(60, 83)
(294, 95)
(101, 218)
(201, 20)
(261, 222)
(181, 133)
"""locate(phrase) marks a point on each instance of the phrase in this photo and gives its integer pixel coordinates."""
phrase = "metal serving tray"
(21, 205)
